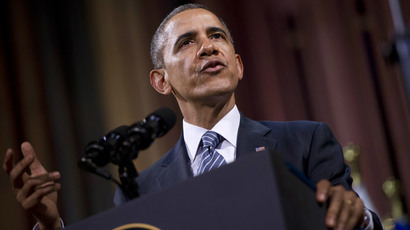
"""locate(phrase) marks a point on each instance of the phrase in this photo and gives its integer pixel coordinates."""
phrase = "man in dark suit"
(194, 59)
(306, 145)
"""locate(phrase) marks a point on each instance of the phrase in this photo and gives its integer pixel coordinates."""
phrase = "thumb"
(322, 190)
(36, 167)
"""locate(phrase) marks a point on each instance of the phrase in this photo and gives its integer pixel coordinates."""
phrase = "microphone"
(122, 144)
(103, 151)
(157, 124)
(161, 121)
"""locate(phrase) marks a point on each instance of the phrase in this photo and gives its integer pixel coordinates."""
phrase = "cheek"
(180, 65)
(187, 66)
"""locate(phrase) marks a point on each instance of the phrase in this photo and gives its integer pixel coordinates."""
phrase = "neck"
(206, 115)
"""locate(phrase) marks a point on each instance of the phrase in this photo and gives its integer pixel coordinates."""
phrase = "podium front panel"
(255, 192)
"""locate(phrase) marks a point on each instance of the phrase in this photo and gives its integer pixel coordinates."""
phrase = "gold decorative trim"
(136, 225)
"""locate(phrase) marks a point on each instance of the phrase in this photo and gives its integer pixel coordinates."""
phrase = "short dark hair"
(157, 43)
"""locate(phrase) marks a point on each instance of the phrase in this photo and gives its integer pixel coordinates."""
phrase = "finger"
(8, 161)
(357, 214)
(336, 202)
(36, 167)
(18, 172)
(34, 183)
(322, 190)
(347, 207)
(35, 198)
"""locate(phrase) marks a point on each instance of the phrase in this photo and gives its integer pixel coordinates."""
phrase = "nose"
(207, 48)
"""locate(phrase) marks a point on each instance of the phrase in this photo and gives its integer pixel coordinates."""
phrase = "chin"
(219, 94)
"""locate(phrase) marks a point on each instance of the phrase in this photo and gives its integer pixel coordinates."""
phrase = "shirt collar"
(227, 127)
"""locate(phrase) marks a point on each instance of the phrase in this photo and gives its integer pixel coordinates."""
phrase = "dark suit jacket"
(309, 146)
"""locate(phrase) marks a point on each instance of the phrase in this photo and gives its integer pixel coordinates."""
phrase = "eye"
(185, 43)
(217, 36)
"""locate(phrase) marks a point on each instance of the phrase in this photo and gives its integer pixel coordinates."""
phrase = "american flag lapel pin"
(260, 149)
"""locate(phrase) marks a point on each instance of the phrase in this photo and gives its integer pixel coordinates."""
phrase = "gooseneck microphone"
(121, 145)
(113, 146)
(160, 122)
(157, 124)
(105, 150)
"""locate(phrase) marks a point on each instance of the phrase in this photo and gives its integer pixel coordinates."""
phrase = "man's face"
(199, 59)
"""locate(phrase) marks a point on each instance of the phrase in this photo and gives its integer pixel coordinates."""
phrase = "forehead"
(190, 20)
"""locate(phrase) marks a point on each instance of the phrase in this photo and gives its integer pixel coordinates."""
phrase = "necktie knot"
(210, 140)
(211, 159)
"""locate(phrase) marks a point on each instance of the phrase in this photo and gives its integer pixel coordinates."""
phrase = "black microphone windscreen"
(167, 117)
(121, 130)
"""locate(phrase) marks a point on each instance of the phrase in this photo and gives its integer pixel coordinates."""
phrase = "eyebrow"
(191, 34)
(188, 34)
(216, 29)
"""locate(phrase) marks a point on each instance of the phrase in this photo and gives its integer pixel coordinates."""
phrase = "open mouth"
(212, 66)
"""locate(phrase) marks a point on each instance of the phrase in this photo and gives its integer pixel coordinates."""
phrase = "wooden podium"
(256, 192)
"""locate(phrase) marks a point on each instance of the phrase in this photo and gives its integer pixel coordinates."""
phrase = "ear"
(158, 81)
(239, 65)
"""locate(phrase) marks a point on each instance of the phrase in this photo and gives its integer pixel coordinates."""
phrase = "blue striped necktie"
(211, 159)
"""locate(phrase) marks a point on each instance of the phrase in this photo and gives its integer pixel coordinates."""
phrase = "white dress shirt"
(227, 127)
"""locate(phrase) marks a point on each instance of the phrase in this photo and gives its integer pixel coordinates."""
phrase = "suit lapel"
(176, 166)
(253, 135)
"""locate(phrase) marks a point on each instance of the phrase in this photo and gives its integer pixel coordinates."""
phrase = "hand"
(346, 209)
(37, 192)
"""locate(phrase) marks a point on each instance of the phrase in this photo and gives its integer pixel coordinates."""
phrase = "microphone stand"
(128, 175)
(121, 152)
(89, 166)
(126, 169)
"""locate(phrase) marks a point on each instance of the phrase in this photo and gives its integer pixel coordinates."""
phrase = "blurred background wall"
(70, 71)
